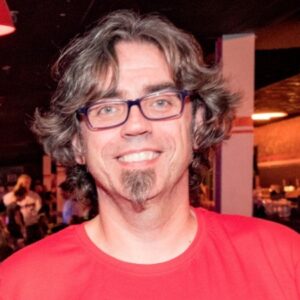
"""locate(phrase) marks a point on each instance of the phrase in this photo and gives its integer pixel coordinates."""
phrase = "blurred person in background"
(3, 191)
(6, 248)
(73, 210)
(29, 203)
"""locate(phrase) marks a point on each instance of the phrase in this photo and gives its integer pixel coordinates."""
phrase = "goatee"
(138, 184)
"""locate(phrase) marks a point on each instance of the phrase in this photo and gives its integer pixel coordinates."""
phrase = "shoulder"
(7, 195)
(250, 231)
(45, 266)
(244, 224)
(67, 204)
(47, 252)
(33, 195)
(8, 198)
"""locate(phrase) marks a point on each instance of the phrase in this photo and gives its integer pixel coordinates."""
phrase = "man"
(27, 202)
(147, 242)
(30, 197)
(72, 211)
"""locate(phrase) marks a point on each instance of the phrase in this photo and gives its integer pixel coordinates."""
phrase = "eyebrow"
(159, 87)
(146, 90)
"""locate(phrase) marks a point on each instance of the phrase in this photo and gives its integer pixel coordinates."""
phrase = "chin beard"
(138, 185)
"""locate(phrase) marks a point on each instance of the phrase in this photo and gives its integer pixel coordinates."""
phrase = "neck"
(160, 232)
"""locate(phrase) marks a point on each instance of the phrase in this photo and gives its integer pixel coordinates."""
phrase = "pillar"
(234, 158)
(47, 176)
(60, 177)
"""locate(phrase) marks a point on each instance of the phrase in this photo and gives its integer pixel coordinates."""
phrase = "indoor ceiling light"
(268, 115)
(6, 23)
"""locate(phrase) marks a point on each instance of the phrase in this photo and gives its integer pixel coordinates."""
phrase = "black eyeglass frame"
(83, 111)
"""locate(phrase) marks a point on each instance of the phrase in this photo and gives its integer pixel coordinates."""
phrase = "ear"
(78, 150)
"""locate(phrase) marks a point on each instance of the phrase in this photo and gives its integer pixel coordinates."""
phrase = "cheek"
(180, 142)
(95, 147)
(186, 142)
(98, 159)
(187, 126)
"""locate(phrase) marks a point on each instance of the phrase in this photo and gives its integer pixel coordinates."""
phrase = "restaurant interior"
(42, 28)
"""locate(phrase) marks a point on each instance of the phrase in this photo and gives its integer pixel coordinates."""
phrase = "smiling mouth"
(139, 156)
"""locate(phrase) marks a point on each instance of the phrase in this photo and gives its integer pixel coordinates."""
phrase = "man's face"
(65, 194)
(140, 159)
(25, 182)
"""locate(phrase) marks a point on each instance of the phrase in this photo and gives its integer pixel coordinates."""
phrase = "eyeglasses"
(110, 112)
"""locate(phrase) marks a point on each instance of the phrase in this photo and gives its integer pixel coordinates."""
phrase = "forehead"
(24, 179)
(138, 64)
(130, 63)
(136, 54)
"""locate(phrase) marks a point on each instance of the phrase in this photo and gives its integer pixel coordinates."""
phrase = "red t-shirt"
(232, 257)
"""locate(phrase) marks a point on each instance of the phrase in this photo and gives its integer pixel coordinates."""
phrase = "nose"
(136, 124)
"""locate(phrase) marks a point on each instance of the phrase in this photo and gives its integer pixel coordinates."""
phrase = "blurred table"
(282, 211)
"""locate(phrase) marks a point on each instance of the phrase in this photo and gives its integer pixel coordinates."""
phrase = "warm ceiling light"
(267, 116)
(6, 23)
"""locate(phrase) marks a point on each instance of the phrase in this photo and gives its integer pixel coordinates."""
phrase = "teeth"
(140, 156)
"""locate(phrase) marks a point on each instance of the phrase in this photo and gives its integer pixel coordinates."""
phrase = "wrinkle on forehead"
(109, 77)
(142, 67)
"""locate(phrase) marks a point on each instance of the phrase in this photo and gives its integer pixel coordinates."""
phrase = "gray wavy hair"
(85, 62)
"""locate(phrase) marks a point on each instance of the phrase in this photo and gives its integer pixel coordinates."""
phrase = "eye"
(161, 103)
(106, 110)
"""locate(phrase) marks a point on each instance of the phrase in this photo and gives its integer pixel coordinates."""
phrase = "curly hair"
(83, 67)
